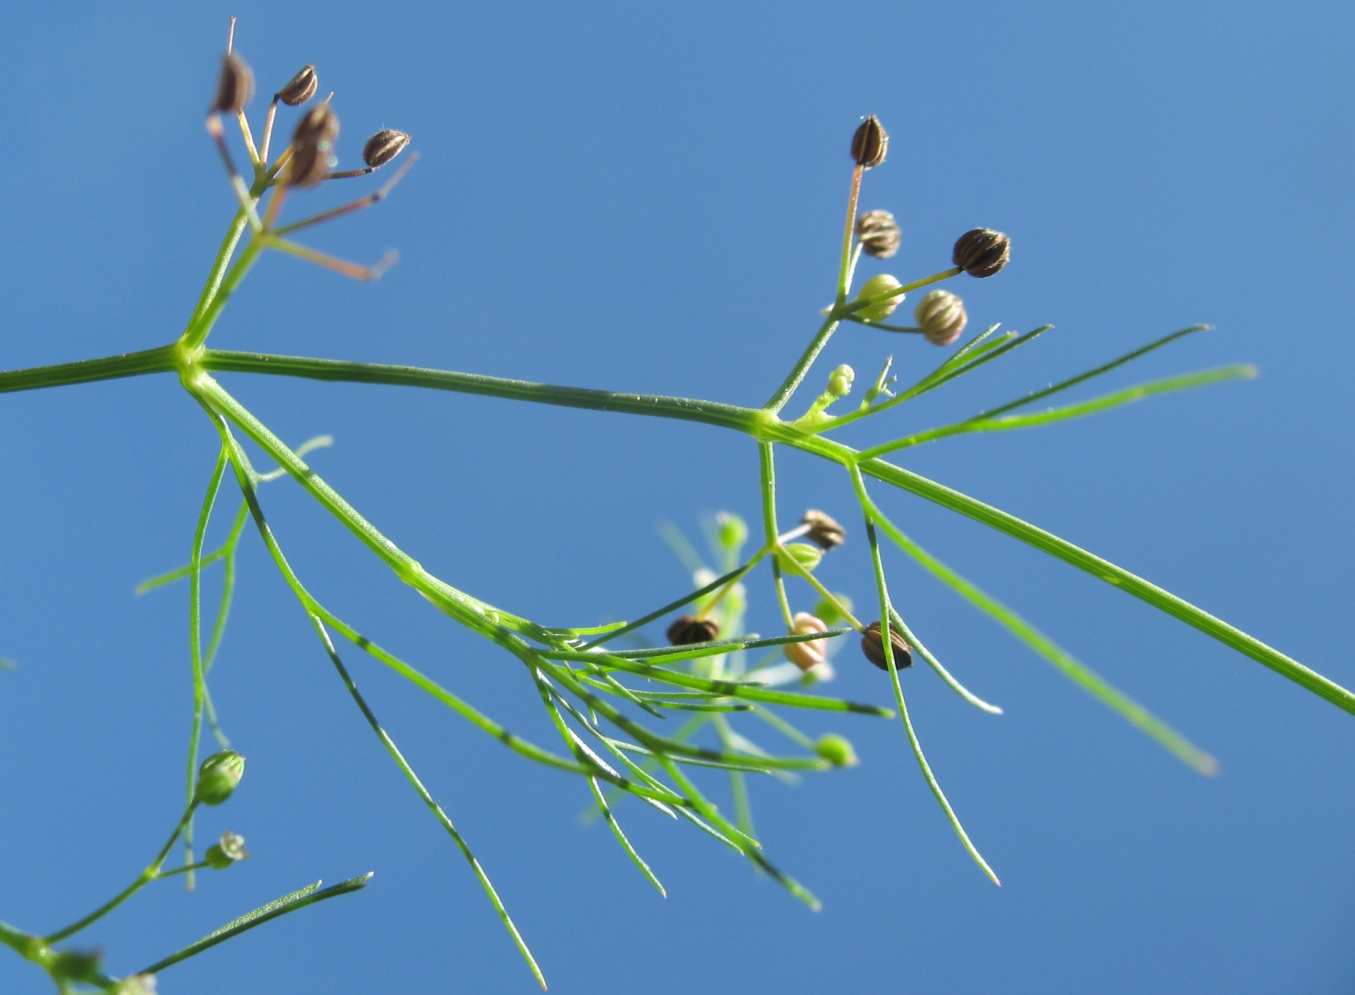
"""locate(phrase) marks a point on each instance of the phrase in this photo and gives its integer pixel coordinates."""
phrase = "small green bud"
(688, 629)
(840, 381)
(229, 851)
(218, 776)
(879, 284)
(811, 653)
(731, 530)
(837, 750)
(824, 531)
(803, 554)
(77, 965)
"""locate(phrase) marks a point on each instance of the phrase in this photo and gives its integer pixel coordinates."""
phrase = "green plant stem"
(144, 878)
(767, 478)
(753, 422)
(886, 614)
(195, 644)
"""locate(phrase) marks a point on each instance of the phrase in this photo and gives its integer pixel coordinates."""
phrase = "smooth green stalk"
(886, 613)
(143, 879)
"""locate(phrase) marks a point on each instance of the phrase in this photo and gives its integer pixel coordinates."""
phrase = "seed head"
(879, 234)
(873, 645)
(824, 531)
(812, 652)
(299, 88)
(235, 86)
(870, 143)
(876, 285)
(313, 146)
(384, 146)
(982, 252)
(941, 316)
(230, 850)
(218, 776)
(837, 750)
(688, 629)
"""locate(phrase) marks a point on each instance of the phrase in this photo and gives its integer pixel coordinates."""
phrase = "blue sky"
(649, 198)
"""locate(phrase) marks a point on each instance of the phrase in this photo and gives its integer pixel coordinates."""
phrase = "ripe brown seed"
(873, 645)
(870, 143)
(824, 531)
(879, 234)
(941, 316)
(982, 252)
(312, 146)
(235, 86)
(384, 146)
(300, 87)
(688, 629)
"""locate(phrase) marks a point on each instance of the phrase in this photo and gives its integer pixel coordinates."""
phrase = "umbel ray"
(655, 718)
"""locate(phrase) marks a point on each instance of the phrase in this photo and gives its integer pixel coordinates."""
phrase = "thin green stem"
(682, 408)
(428, 800)
(144, 878)
(886, 613)
(767, 480)
(132, 364)
(195, 643)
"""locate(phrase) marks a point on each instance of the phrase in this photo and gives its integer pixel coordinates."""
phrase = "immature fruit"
(837, 750)
(879, 234)
(384, 146)
(235, 85)
(689, 629)
(870, 143)
(873, 645)
(812, 652)
(300, 87)
(218, 776)
(876, 285)
(230, 850)
(800, 554)
(982, 252)
(941, 316)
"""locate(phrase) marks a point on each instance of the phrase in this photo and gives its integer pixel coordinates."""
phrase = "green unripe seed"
(880, 284)
(218, 776)
(803, 554)
(837, 750)
(731, 530)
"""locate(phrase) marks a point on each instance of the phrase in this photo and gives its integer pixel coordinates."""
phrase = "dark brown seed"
(313, 146)
(824, 532)
(384, 146)
(235, 86)
(300, 87)
(870, 143)
(873, 645)
(982, 252)
(688, 629)
(879, 234)
(941, 316)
